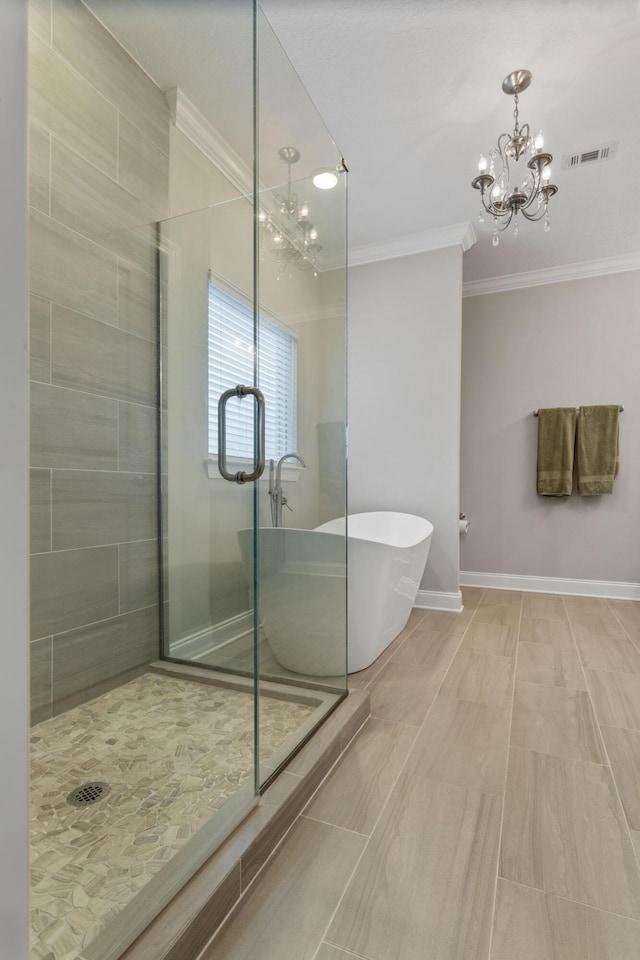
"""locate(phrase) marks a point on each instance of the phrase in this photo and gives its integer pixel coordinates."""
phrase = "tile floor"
(489, 807)
(173, 752)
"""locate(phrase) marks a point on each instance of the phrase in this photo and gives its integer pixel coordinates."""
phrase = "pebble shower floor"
(172, 752)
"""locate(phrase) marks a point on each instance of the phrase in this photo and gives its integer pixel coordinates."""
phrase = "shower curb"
(185, 926)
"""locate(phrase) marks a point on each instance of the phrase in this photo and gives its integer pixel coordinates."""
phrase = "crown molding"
(195, 126)
(536, 278)
(456, 235)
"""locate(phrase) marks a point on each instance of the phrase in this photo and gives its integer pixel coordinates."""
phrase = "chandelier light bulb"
(313, 234)
(538, 143)
(482, 163)
(304, 212)
(546, 174)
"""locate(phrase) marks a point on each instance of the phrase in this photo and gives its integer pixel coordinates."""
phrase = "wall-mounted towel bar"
(535, 412)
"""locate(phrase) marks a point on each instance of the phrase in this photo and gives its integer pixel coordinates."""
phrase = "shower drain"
(88, 793)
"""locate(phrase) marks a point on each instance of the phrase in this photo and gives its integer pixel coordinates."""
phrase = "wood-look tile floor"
(488, 810)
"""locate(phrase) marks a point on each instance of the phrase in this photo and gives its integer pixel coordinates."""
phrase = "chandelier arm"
(539, 214)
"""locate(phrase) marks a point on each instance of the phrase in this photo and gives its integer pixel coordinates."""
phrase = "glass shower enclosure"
(234, 296)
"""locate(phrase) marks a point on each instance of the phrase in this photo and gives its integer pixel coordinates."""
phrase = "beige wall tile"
(359, 785)
(556, 632)
(554, 665)
(138, 575)
(39, 165)
(474, 676)
(426, 879)
(564, 833)
(40, 339)
(72, 429)
(616, 697)
(72, 271)
(532, 925)
(98, 358)
(98, 57)
(143, 169)
(72, 109)
(557, 721)
(88, 201)
(40, 527)
(40, 672)
(89, 655)
(72, 588)
(403, 692)
(465, 743)
(137, 300)
(295, 897)
(95, 507)
(137, 426)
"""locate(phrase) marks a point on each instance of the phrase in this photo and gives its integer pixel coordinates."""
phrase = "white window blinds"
(231, 361)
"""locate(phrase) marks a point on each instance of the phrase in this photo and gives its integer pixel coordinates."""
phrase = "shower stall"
(188, 328)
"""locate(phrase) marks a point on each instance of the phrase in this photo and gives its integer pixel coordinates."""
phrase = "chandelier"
(289, 235)
(529, 194)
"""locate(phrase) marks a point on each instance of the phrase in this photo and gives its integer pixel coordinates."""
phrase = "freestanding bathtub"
(302, 588)
(387, 556)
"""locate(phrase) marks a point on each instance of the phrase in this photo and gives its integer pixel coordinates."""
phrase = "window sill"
(289, 473)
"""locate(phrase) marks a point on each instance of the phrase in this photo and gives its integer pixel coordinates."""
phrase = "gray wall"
(14, 703)
(99, 144)
(404, 397)
(561, 344)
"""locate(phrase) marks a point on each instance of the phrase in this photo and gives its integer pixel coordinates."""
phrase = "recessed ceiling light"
(325, 179)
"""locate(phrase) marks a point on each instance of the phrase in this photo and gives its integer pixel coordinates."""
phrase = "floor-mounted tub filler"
(303, 572)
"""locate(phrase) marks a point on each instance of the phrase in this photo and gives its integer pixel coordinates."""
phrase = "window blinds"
(231, 361)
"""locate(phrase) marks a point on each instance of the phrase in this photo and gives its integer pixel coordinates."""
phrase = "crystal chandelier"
(530, 195)
(289, 236)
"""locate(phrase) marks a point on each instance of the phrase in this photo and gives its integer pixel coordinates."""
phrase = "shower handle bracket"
(241, 476)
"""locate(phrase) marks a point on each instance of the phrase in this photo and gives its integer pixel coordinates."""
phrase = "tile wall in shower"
(99, 143)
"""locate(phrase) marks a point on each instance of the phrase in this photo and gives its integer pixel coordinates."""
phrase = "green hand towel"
(597, 449)
(556, 442)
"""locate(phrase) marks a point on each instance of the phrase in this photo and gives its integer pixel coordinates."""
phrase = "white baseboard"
(434, 600)
(206, 641)
(610, 589)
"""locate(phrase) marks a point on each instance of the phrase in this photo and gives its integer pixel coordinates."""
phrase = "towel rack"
(535, 412)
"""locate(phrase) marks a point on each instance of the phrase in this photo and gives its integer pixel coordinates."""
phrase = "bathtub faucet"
(276, 495)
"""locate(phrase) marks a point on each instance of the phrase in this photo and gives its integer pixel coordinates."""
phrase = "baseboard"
(435, 600)
(610, 589)
(203, 642)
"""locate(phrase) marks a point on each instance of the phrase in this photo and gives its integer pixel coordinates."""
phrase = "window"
(231, 356)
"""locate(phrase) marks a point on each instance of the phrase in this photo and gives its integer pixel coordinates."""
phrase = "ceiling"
(411, 92)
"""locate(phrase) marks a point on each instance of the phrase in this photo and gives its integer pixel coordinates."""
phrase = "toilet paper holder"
(463, 523)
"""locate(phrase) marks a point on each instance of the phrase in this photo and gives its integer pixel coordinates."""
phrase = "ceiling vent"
(605, 152)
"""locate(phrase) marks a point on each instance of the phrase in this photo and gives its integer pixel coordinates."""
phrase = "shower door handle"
(240, 477)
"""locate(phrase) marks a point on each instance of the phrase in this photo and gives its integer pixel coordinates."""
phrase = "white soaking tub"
(302, 594)
(387, 556)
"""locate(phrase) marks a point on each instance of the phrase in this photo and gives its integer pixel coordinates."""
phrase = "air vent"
(605, 152)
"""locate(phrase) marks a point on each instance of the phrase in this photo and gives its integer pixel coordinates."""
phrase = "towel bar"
(535, 412)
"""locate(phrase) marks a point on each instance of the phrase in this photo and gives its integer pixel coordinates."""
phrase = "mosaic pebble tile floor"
(173, 751)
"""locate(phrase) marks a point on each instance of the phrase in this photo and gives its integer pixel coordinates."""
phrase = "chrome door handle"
(240, 477)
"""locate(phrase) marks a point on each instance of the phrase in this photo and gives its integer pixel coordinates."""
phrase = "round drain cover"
(88, 793)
